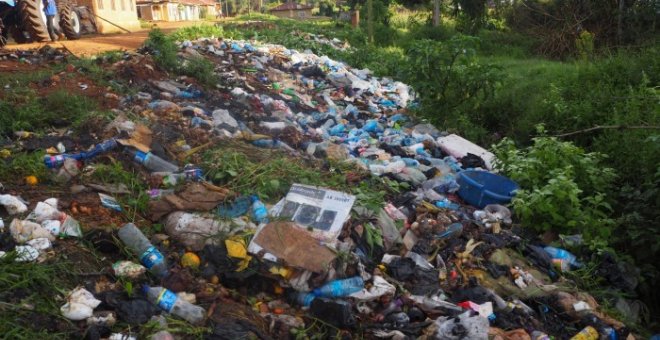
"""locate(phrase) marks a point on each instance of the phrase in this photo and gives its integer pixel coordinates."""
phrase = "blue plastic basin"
(480, 188)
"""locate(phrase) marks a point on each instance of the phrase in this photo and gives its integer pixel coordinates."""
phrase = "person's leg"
(50, 22)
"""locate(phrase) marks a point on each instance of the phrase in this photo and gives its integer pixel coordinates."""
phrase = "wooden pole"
(370, 20)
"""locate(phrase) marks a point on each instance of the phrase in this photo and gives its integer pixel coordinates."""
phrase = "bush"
(563, 188)
(196, 32)
(449, 80)
(164, 49)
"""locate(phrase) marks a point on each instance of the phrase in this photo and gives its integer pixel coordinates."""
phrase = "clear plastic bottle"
(259, 211)
(339, 288)
(152, 162)
(149, 255)
(169, 302)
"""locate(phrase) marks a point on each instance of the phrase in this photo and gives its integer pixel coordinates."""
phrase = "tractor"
(25, 20)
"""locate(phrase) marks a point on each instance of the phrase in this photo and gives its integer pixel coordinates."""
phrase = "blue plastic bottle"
(562, 258)
(304, 298)
(340, 288)
(259, 211)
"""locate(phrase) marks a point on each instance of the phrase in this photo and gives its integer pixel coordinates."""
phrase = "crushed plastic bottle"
(149, 255)
(171, 303)
(152, 162)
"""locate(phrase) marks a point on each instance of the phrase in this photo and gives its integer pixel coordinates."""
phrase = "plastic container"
(339, 288)
(152, 162)
(259, 211)
(480, 188)
(562, 259)
(171, 303)
(149, 255)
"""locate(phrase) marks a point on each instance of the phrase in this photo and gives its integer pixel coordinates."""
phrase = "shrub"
(563, 188)
(164, 49)
(449, 79)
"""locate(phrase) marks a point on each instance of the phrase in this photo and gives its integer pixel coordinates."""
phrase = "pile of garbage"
(440, 260)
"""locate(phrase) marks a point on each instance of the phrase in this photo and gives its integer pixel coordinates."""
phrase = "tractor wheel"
(69, 20)
(18, 35)
(3, 35)
(33, 18)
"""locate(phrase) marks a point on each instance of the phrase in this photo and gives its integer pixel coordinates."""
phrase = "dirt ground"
(93, 44)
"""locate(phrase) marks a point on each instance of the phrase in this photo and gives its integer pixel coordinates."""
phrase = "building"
(113, 13)
(176, 10)
(292, 10)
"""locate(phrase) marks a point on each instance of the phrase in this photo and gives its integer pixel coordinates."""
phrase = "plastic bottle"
(339, 288)
(54, 162)
(149, 255)
(152, 162)
(159, 193)
(562, 258)
(169, 302)
(190, 173)
(259, 211)
(102, 147)
(272, 144)
(588, 333)
(304, 298)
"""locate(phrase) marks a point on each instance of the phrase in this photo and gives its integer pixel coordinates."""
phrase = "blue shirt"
(51, 8)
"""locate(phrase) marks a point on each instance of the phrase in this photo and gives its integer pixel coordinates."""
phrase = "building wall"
(293, 14)
(146, 12)
(120, 12)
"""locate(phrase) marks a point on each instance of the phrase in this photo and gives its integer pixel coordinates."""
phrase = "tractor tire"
(87, 22)
(18, 35)
(33, 19)
(69, 20)
(3, 35)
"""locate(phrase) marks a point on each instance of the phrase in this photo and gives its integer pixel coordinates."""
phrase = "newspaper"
(319, 212)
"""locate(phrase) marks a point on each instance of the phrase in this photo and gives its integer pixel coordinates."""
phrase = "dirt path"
(94, 44)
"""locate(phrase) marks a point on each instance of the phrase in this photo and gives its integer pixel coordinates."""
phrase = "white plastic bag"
(13, 204)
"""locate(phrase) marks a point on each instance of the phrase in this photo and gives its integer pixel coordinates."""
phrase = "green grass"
(24, 110)
(41, 288)
(271, 175)
(24, 164)
(133, 204)
(198, 31)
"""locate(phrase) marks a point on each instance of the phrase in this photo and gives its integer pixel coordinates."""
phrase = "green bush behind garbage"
(198, 31)
(563, 188)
